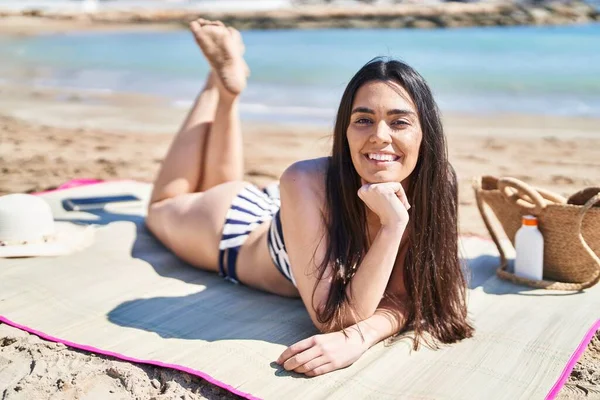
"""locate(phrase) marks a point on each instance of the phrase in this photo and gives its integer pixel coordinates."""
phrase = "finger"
(403, 198)
(302, 358)
(323, 369)
(404, 201)
(312, 364)
(362, 190)
(394, 186)
(295, 349)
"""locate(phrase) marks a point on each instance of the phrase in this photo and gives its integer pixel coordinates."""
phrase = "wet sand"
(48, 137)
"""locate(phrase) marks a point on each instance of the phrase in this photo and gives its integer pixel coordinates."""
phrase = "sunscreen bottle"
(529, 244)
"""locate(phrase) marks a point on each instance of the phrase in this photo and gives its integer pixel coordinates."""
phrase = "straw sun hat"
(28, 229)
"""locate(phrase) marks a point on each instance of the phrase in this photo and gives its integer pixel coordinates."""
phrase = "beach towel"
(128, 296)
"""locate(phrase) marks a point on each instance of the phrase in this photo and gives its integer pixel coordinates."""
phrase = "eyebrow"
(395, 111)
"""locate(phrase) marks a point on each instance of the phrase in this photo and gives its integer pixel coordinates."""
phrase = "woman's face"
(384, 134)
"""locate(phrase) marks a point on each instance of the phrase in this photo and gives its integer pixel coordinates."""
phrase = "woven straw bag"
(571, 232)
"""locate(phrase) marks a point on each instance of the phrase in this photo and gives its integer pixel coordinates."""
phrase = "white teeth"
(382, 157)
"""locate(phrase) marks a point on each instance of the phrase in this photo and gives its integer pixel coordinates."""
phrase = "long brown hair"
(433, 275)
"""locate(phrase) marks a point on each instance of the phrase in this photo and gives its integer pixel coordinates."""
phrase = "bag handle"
(589, 204)
(517, 184)
(485, 215)
(535, 203)
(551, 196)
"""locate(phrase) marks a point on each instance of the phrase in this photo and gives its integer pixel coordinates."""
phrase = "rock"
(539, 16)
(426, 16)
(423, 24)
(520, 17)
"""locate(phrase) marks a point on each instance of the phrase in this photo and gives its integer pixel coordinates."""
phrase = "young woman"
(366, 237)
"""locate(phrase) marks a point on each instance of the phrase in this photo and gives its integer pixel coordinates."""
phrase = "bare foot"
(223, 50)
(237, 36)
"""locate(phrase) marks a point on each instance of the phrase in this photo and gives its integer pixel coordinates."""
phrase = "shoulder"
(305, 178)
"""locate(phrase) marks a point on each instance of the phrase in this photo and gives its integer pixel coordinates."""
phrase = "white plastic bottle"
(529, 244)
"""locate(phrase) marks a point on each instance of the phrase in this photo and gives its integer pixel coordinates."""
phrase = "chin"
(382, 177)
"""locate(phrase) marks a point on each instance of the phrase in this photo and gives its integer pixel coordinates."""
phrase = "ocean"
(299, 75)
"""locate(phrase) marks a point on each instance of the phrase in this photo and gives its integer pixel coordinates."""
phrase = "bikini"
(249, 209)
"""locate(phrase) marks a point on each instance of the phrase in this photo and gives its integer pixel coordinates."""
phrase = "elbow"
(323, 328)
(325, 323)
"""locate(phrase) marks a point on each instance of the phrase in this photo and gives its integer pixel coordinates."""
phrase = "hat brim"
(69, 238)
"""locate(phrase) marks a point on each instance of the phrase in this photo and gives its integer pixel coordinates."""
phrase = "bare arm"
(302, 196)
(324, 353)
(387, 321)
(392, 311)
(366, 288)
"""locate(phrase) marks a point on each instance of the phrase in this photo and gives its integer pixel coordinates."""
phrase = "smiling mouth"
(382, 157)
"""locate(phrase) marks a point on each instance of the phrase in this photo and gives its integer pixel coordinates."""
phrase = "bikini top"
(277, 248)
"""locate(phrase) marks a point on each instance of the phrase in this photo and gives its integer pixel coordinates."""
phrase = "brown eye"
(363, 121)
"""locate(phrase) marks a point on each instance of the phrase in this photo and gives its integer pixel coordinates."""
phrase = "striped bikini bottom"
(249, 209)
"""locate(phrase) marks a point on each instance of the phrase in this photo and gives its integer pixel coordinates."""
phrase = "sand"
(48, 137)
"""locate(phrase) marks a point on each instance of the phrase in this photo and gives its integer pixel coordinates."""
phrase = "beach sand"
(48, 137)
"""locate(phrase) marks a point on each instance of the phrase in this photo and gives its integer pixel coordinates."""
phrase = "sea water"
(299, 75)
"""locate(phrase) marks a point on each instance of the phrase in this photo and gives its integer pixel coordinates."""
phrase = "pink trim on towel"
(78, 182)
(123, 357)
(572, 361)
(71, 184)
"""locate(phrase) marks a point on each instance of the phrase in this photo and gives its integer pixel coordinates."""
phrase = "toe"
(195, 26)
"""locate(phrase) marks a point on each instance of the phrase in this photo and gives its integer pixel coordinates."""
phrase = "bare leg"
(207, 150)
(184, 214)
(223, 157)
(181, 170)
(203, 171)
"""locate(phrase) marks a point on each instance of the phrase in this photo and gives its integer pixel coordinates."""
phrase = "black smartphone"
(99, 202)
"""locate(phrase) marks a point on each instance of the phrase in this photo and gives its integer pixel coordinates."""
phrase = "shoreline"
(65, 103)
(440, 15)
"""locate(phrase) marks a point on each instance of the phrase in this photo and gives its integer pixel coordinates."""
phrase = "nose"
(381, 134)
